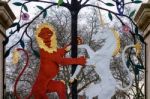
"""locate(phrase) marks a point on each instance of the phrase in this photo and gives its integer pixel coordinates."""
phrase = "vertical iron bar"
(75, 7)
(74, 50)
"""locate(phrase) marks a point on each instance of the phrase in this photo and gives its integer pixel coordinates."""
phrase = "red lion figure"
(50, 58)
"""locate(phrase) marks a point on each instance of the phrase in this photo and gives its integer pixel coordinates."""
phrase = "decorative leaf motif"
(140, 66)
(44, 14)
(7, 53)
(138, 1)
(132, 13)
(136, 71)
(22, 43)
(11, 32)
(141, 38)
(136, 30)
(17, 3)
(6, 41)
(18, 27)
(110, 16)
(128, 63)
(25, 8)
(36, 53)
(14, 24)
(109, 4)
(41, 8)
(60, 2)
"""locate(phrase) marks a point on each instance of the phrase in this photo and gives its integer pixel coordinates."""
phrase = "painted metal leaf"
(132, 13)
(110, 16)
(22, 44)
(7, 53)
(140, 66)
(109, 4)
(11, 32)
(128, 63)
(44, 14)
(141, 38)
(25, 8)
(41, 8)
(136, 30)
(14, 24)
(136, 71)
(17, 3)
(18, 27)
(36, 53)
(137, 1)
(60, 2)
(6, 41)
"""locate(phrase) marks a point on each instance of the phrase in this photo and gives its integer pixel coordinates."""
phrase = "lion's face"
(45, 35)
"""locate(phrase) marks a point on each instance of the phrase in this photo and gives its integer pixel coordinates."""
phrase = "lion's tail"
(20, 74)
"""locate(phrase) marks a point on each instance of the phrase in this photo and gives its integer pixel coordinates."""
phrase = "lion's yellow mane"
(53, 38)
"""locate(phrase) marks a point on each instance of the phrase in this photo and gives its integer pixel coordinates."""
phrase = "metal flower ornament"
(51, 56)
(126, 29)
(25, 16)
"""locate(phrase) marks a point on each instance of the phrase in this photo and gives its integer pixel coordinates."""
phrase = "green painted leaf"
(41, 8)
(141, 38)
(11, 32)
(136, 30)
(18, 27)
(137, 1)
(136, 70)
(140, 66)
(14, 24)
(6, 41)
(110, 16)
(25, 8)
(17, 3)
(44, 14)
(109, 4)
(60, 2)
(7, 53)
(36, 53)
(132, 13)
(128, 63)
(22, 43)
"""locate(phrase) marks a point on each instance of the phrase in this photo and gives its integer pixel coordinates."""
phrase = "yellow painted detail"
(15, 57)
(53, 38)
(138, 48)
(117, 37)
